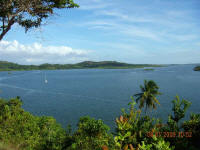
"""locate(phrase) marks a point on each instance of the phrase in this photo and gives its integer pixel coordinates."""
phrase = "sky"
(131, 31)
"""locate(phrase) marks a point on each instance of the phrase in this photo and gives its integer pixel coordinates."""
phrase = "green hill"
(9, 66)
(197, 68)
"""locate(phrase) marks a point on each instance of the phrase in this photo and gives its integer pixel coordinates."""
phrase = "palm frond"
(148, 95)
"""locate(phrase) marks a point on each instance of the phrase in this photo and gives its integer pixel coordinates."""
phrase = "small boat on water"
(45, 79)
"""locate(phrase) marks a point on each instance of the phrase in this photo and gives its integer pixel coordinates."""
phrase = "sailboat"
(45, 79)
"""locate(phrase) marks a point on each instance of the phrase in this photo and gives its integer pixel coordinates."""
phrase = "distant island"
(9, 66)
(148, 69)
(197, 68)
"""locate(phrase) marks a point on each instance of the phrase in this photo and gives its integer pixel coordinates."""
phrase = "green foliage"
(132, 128)
(157, 144)
(145, 147)
(91, 127)
(26, 131)
(92, 135)
(197, 68)
(174, 125)
(28, 13)
(179, 109)
(193, 125)
(149, 69)
(148, 95)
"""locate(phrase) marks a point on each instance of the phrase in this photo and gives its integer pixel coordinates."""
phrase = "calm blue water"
(100, 93)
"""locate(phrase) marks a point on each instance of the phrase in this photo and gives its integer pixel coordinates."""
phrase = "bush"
(92, 135)
(132, 128)
(157, 144)
(27, 131)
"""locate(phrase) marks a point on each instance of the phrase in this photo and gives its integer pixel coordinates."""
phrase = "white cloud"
(184, 37)
(128, 30)
(124, 16)
(140, 21)
(37, 53)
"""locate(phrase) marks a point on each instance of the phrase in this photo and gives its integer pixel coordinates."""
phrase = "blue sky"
(132, 31)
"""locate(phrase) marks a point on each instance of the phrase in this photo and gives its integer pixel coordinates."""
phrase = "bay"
(99, 93)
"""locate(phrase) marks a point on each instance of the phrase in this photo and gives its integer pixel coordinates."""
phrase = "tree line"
(8, 66)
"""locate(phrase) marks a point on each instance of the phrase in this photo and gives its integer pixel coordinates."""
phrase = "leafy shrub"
(92, 135)
(193, 125)
(132, 128)
(26, 131)
(157, 144)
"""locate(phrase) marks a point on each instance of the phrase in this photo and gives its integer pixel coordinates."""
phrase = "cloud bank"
(37, 53)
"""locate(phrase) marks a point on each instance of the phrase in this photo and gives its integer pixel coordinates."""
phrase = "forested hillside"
(197, 68)
(9, 66)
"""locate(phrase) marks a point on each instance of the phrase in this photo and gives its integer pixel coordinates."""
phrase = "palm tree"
(148, 95)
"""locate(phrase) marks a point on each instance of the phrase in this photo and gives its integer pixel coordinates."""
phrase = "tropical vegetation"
(134, 130)
(8, 66)
(148, 95)
(197, 68)
(148, 69)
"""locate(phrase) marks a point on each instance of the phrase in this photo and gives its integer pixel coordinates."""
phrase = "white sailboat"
(45, 79)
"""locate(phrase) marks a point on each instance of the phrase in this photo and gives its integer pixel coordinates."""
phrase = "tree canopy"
(148, 95)
(28, 13)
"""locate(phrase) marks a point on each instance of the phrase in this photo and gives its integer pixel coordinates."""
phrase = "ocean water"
(99, 93)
